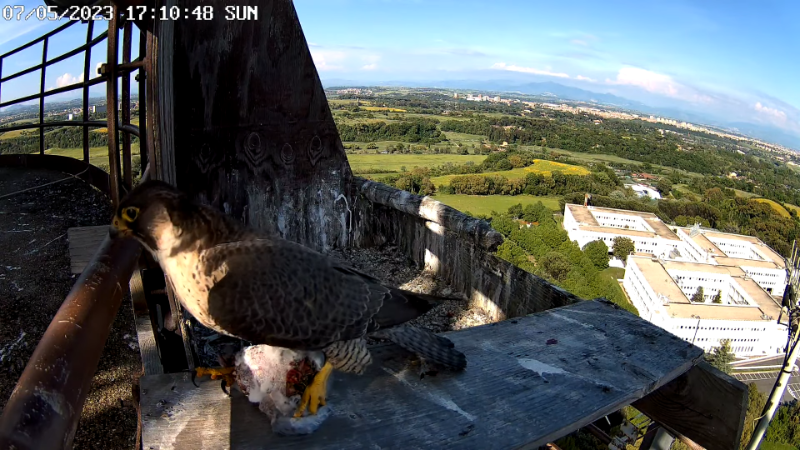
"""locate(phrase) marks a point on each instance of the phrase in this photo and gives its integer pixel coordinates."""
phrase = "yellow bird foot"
(226, 374)
(314, 395)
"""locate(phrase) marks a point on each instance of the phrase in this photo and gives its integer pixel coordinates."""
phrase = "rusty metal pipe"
(45, 406)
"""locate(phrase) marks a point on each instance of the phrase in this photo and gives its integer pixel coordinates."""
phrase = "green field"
(776, 206)
(539, 166)
(771, 446)
(603, 158)
(485, 204)
(98, 156)
(744, 194)
(793, 207)
(380, 108)
(615, 272)
(18, 133)
(464, 138)
(364, 163)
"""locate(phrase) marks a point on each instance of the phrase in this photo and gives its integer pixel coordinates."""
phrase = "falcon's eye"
(130, 213)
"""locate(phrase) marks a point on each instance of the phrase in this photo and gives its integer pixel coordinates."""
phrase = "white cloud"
(372, 66)
(67, 79)
(532, 70)
(647, 80)
(12, 29)
(328, 60)
(583, 78)
(773, 114)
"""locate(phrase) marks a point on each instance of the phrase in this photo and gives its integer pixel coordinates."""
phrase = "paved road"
(776, 360)
(764, 381)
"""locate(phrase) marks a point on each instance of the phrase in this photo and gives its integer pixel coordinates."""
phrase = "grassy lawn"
(776, 206)
(360, 162)
(97, 155)
(134, 121)
(539, 166)
(380, 108)
(615, 272)
(625, 294)
(771, 446)
(485, 204)
(744, 194)
(464, 138)
(796, 208)
(599, 157)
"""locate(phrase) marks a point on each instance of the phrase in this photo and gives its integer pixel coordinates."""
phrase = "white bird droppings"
(538, 366)
(428, 393)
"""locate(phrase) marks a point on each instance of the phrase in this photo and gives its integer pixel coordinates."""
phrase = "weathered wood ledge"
(457, 248)
(529, 381)
(432, 210)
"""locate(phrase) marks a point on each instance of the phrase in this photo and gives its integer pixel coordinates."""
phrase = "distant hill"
(578, 94)
(558, 91)
(767, 133)
(19, 109)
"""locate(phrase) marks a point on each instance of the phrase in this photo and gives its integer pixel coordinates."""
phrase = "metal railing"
(46, 404)
(118, 117)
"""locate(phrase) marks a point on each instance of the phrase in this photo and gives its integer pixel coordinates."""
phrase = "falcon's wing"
(280, 293)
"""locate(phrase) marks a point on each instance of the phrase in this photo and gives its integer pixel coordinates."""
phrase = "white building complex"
(643, 190)
(649, 234)
(748, 315)
(671, 263)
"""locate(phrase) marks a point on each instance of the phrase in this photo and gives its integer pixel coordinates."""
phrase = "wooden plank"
(704, 404)
(83, 244)
(529, 381)
(181, 324)
(148, 348)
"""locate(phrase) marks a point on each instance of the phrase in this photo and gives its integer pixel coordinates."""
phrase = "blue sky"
(735, 58)
(732, 59)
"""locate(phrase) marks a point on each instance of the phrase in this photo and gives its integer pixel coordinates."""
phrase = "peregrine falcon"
(268, 290)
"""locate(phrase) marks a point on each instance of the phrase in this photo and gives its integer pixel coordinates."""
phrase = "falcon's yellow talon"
(217, 373)
(314, 395)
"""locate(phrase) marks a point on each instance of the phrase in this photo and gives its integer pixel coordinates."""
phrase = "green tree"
(556, 265)
(515, 211)
(721, 357)
(505, 225)
(511, 252)
(536, 212)
(785, 426)
(664, 186)
(597, 251)
(622, 247)
(718, 297)
(755, 405)
(697, 297)
(504, 164)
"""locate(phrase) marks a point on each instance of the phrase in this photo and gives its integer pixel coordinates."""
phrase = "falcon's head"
(153, 213)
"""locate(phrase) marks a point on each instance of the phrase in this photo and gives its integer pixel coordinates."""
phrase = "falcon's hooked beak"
(119, 229)
(120, 225)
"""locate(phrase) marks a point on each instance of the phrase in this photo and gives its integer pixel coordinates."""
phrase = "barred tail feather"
(433, 348)
(349, 356)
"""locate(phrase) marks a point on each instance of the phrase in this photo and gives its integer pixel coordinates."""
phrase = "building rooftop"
(703, 242)
(658, 279)
(584, 215)
(657, 276)
(772, 260)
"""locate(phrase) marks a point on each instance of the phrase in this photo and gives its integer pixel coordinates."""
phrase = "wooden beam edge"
(679, 395)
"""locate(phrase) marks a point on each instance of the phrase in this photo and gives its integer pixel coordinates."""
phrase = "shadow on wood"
(703, 404)
(455, 247)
